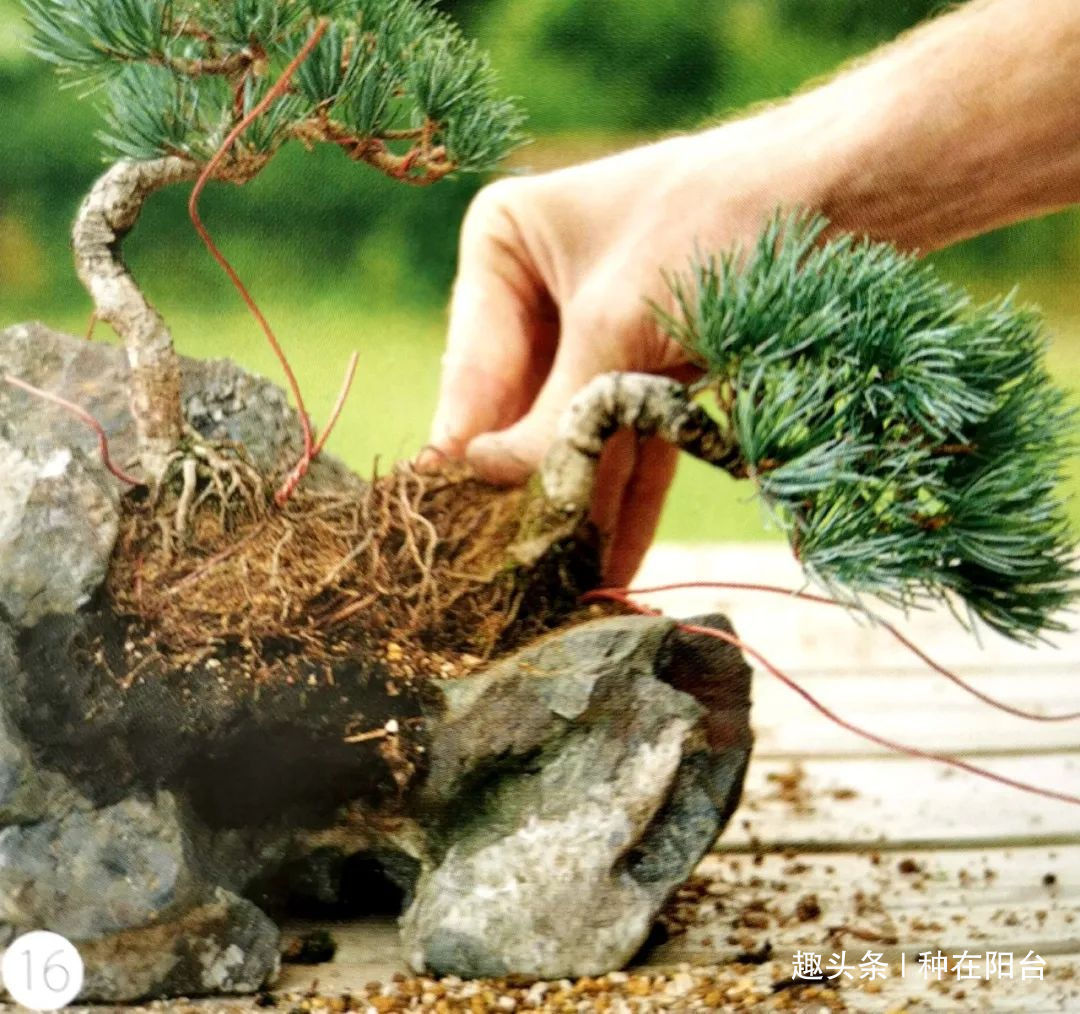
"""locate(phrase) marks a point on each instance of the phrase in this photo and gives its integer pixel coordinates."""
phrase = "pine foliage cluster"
(909, 443)
(388, 76)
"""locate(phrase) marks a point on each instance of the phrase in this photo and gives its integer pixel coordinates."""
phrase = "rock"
(134, 887)
(122, 866)
(599, 795)
(224, 946)
(27, 792)
(532, 817)
(58, 523)
(221, 401)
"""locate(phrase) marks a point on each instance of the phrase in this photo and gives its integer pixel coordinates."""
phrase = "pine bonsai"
(390, 82)
(198, 91)
(907, 442)
(271, 648)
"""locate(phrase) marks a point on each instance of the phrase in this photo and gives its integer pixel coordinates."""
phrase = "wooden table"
(846, 852)
(987, 868)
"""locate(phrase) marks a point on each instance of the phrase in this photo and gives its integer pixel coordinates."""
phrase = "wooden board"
(890, 901)
(756, 989)
(800, 635)
(973, 901)
(917, 708)
(855, 802)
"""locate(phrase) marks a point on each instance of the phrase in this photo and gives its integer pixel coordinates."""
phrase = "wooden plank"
(368, 950)
(889, 901)
(841, 803)
(760, 989)
(801, 635)
(950, 903)
(738, 988)
(919, 709)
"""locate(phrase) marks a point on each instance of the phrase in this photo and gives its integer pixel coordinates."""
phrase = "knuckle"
(492, 209)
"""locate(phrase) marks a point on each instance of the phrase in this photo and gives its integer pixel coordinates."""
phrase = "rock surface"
(554, 801)
(57, 509)
(607, 796)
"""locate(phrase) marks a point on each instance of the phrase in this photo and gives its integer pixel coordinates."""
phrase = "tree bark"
(109, 211)
(650, 406)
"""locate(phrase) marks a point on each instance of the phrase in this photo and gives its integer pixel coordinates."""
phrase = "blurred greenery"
(340, 257)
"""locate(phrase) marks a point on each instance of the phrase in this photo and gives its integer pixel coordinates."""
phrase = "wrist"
(779, 159)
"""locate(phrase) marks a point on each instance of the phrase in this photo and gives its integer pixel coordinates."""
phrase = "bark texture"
(650, 406)
(109, 211)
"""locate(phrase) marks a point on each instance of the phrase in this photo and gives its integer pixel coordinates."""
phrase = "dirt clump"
(417, 568)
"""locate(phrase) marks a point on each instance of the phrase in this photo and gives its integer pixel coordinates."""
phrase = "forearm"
(970, 122)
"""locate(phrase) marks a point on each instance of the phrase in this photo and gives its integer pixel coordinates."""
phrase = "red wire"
(268, 99)
(293, 479)
(911, 751)
(84, 416)
(912, 647)
(335, 412)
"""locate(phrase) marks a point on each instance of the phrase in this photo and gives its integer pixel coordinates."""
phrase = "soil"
(288, 650)
(416, 569)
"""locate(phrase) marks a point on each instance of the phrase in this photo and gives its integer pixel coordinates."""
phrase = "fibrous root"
(209, 472)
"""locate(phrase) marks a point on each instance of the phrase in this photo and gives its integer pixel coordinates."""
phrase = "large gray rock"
(221, 401)
(550, 804)
(27, 792)
(58, 523)
(606, 796)
(226, 945)
(92, 872)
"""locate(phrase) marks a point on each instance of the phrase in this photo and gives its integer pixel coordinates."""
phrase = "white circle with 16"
(42, 970)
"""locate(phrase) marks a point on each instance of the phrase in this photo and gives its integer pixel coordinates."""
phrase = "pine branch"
(909, 443)
(179, 74)
(86, 37)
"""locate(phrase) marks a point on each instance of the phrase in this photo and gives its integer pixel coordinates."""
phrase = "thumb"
(493, 340)
(511, 455)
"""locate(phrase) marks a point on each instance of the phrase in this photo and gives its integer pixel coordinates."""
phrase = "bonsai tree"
(245, 665)
(390, 82)
(907, 442)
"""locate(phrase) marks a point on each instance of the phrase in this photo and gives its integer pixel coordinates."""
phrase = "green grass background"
(341, 259)
(394, 391)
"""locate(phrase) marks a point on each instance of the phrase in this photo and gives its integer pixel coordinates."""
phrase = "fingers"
(501, 335)
(511, 454)
(640, 509)
(497, 351)
(613, 472)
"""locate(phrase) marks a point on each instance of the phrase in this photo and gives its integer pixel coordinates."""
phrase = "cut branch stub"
(651, 407)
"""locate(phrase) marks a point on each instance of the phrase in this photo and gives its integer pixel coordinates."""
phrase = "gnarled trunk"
(651, 407)
(109, 211)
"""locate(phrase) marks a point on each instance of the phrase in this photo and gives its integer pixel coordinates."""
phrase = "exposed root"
(416, 560)
(209, 472)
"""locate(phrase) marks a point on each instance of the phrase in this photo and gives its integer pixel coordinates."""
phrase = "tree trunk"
(110, 210)
(650, 406)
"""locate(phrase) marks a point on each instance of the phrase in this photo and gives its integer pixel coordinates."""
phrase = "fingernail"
(430, 459)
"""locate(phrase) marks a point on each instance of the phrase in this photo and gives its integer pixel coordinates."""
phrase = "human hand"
(555, 269)
(554, 278)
